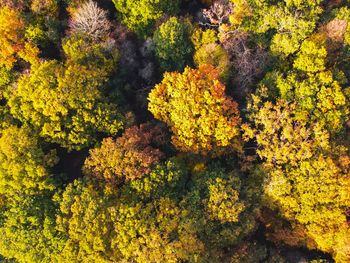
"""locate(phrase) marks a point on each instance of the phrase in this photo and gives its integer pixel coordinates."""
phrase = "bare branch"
(218, 13)
(91, 20)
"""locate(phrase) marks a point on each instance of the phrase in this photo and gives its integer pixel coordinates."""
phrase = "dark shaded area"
(70, 164)
(291, 254)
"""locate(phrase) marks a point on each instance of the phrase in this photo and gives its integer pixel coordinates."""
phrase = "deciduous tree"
(307, 174)
(11, 36)
(141, 15)
(128, 157)
(173, 47)
(24, 166)
(202, 118)
(91, 20)
(65, 103)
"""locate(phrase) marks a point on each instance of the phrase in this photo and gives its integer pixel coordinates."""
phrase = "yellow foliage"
(202, 118)
(241, 10)
(223, 203)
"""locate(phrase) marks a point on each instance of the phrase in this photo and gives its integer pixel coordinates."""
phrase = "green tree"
(224, 206)
(318, 97)
(27, 228)
(173, 46)
(85, 224)
(140, 222)
(141, 15)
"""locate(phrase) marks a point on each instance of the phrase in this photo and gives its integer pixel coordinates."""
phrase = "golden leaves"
(194, 104)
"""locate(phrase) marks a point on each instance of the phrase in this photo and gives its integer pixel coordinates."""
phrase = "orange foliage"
(128, 157)
(11, 41)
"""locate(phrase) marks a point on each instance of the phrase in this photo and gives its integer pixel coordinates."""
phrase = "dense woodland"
(151, 131)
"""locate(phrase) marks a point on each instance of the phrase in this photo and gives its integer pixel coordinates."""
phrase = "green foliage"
(173, 47)
(81, 49)
(166, 179)
(140, 15)
(311, 57)
(159, 231)
(27, 229)
(103, 226)
(318, 98)
(293, 21)
(84, 222)
(232, 217)
(202, 37)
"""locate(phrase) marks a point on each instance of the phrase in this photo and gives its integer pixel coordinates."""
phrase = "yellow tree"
(24, 167)
(307, 175)
(193, 103)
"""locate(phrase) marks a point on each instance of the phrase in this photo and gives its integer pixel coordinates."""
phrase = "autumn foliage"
(194, 131)
(11, 36)
(128, 157)
(201, 116)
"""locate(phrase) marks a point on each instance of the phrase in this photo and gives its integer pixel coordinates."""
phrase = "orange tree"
(11, 30)
(193, 103)
(128, 157)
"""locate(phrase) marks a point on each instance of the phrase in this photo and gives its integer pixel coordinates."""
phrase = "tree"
(280, 136)
(141, 15)
(85, 224)
(312, 55)
(307, 175)
(24, 166)
(84, 50)
(223, 205)
(216, 55)
(65, 103)
(11, 36)
(318, 97)
(27, 224)
(27, 229)
(158, 231)
(173, 47)
(139, 222)
(91, 20)
(247, 62)
(202, 118)
(129, 157)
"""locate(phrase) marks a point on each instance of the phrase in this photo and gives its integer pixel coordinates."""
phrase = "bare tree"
(91, 20)
(247, 62)
(336, 29)
(218, 13)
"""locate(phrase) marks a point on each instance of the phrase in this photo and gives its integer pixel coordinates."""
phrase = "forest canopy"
(175, 131)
